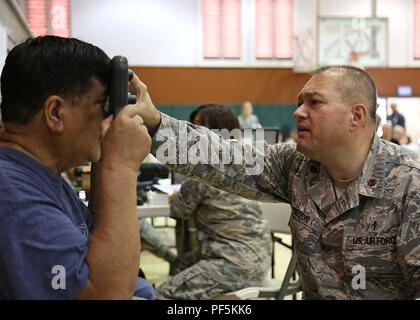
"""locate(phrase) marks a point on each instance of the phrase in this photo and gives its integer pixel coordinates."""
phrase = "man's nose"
(300, 112)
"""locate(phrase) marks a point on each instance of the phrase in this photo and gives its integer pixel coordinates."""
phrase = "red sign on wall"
(211, 28)
(57, 23)
(231, 28)
(221, 28)
(416, 33)
(283, 24)
(264, 29)
(37, 17)
(59, 18)
(274, 29)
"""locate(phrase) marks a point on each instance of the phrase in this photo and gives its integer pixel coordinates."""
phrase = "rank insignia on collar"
(372, 182)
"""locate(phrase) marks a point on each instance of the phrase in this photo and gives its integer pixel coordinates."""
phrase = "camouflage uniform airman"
(235, 243)
(373, 226)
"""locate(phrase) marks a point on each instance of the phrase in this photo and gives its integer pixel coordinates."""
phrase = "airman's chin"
(300, 147)
(303, 149)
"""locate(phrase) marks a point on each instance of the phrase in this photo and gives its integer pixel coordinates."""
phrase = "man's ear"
(359, 115)
(54, 109)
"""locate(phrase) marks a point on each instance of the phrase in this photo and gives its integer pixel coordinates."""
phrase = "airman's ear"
(359, 115)
(54, 108)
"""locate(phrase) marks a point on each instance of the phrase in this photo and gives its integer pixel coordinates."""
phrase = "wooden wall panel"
(179, 85)
(387, 79)
(223, 85)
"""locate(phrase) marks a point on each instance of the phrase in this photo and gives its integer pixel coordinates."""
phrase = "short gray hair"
(356, 85)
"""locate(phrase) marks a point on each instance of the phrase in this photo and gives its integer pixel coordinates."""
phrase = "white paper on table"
(169, 189)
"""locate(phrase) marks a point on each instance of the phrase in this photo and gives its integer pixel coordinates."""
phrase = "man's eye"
(315, 101)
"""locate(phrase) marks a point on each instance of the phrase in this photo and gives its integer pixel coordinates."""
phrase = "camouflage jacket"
(363, 245)
(228, 226)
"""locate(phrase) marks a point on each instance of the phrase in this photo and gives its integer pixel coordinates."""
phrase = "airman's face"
(321, 116)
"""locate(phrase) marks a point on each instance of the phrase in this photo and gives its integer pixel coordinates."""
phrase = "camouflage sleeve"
(408, 245)
(257, 172)
(187, 199)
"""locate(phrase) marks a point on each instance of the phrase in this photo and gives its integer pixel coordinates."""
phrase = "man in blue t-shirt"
(396, 118)
(54, 98)
(247, 119)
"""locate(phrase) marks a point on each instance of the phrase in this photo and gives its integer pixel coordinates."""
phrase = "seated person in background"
(248, 120)
(398, 135)
(235, 242)
(184, 229)
(194, 116)
(410, 145)
(387, 131)
(55, 94)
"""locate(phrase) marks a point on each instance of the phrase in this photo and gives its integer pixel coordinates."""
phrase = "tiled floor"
(157, 269)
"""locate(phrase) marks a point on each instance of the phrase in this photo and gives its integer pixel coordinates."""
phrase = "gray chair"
(277, 215)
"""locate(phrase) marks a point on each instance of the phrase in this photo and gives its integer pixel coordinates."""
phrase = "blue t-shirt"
(251, 122)
(44, 231)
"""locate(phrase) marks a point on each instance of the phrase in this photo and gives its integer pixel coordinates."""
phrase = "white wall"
(147, 32)
(305, 48)
(399, 35)
(167, 32)
(3, 45)
(13, 19)
(346, 9)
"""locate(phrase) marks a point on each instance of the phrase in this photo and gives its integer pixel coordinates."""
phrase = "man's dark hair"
(45, 66)
(355, 85)
(198, 110)
(218, 116)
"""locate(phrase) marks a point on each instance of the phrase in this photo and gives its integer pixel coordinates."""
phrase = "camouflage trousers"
(152, 241)
(207, 279)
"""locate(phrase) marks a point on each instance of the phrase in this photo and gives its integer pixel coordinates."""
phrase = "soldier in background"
(355, 198)
(235, 242)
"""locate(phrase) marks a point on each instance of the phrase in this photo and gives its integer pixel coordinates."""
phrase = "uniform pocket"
(306, 234)
(376, 254)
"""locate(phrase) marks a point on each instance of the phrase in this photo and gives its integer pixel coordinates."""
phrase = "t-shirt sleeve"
(42, 255)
